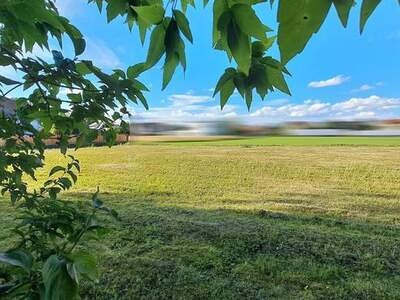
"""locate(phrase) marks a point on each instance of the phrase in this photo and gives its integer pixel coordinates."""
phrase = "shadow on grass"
(187, 253)
(165, 252)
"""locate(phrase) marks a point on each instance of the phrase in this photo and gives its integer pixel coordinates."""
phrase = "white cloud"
(361, 104)
(101, 54)
(69, 8)
(186, 108)
(182, 114)
(188, 99)
(308, 108)
(365, 87)
(368, 87)
(357, 108)
(337, 80)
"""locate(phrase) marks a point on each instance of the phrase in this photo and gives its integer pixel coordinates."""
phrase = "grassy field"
(243, 222)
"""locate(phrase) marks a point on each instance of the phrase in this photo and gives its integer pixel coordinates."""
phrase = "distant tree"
(45, 263)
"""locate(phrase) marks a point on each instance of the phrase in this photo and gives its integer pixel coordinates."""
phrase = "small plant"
(47, 262)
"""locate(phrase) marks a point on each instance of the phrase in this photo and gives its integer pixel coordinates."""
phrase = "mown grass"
(226, 222)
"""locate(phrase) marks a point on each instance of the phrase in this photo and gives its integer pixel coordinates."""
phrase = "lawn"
(242, 222)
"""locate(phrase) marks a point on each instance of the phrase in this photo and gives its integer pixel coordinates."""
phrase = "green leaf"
(58, 284)
(219, 7)
(114, 8)
(72, 272)
(76, 37)
(85, 264)
(17, 258)
(248, 21)
(99, 5)
(79, 45)
(65, 182)
(152, 14)
(180, 50)
(138, 85)
(171, 62)
(249, 98)
(298, 21)
(143, 100)
(135, 70)
(56, 169)
(76, 98)
(276, 78)
(367, 8)
(183, 24)
(157, 46)
(73, 176)
(8, 81)
(239, 45)
(143, 27)
(82, 69)
(343, 8)
(240, 81)
(257, 49)
(228, 75)
(226, 91)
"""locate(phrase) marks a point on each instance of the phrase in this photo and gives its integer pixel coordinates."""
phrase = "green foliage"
(45, 265)
(367, 8)
(298, 21)
(265, 74)
(49, 232)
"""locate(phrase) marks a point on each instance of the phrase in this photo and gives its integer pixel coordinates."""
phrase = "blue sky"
(340, 75)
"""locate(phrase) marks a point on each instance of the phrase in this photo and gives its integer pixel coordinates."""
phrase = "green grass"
(298, 141)
(229, 222)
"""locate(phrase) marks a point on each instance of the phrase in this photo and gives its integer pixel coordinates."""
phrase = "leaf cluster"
(46, 262)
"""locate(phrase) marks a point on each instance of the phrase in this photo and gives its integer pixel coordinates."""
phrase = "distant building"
(393, 122)
(8, 106)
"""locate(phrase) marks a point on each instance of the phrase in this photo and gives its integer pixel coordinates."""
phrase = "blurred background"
(231, 127)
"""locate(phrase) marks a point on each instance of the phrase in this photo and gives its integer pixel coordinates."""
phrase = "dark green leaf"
(248, 22)
(17, 258)
(343, 8)
(171, 62)
(226, 91)
(228, 75)
(249, 98)
(239, 45)
(114, 8)
(7, 81)
(220, 6)
(73, 176)
(367, 8)
(276, 78)
(57, 282)
(183, 24)
(156, 47)
(56, 169)
(85, 264)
